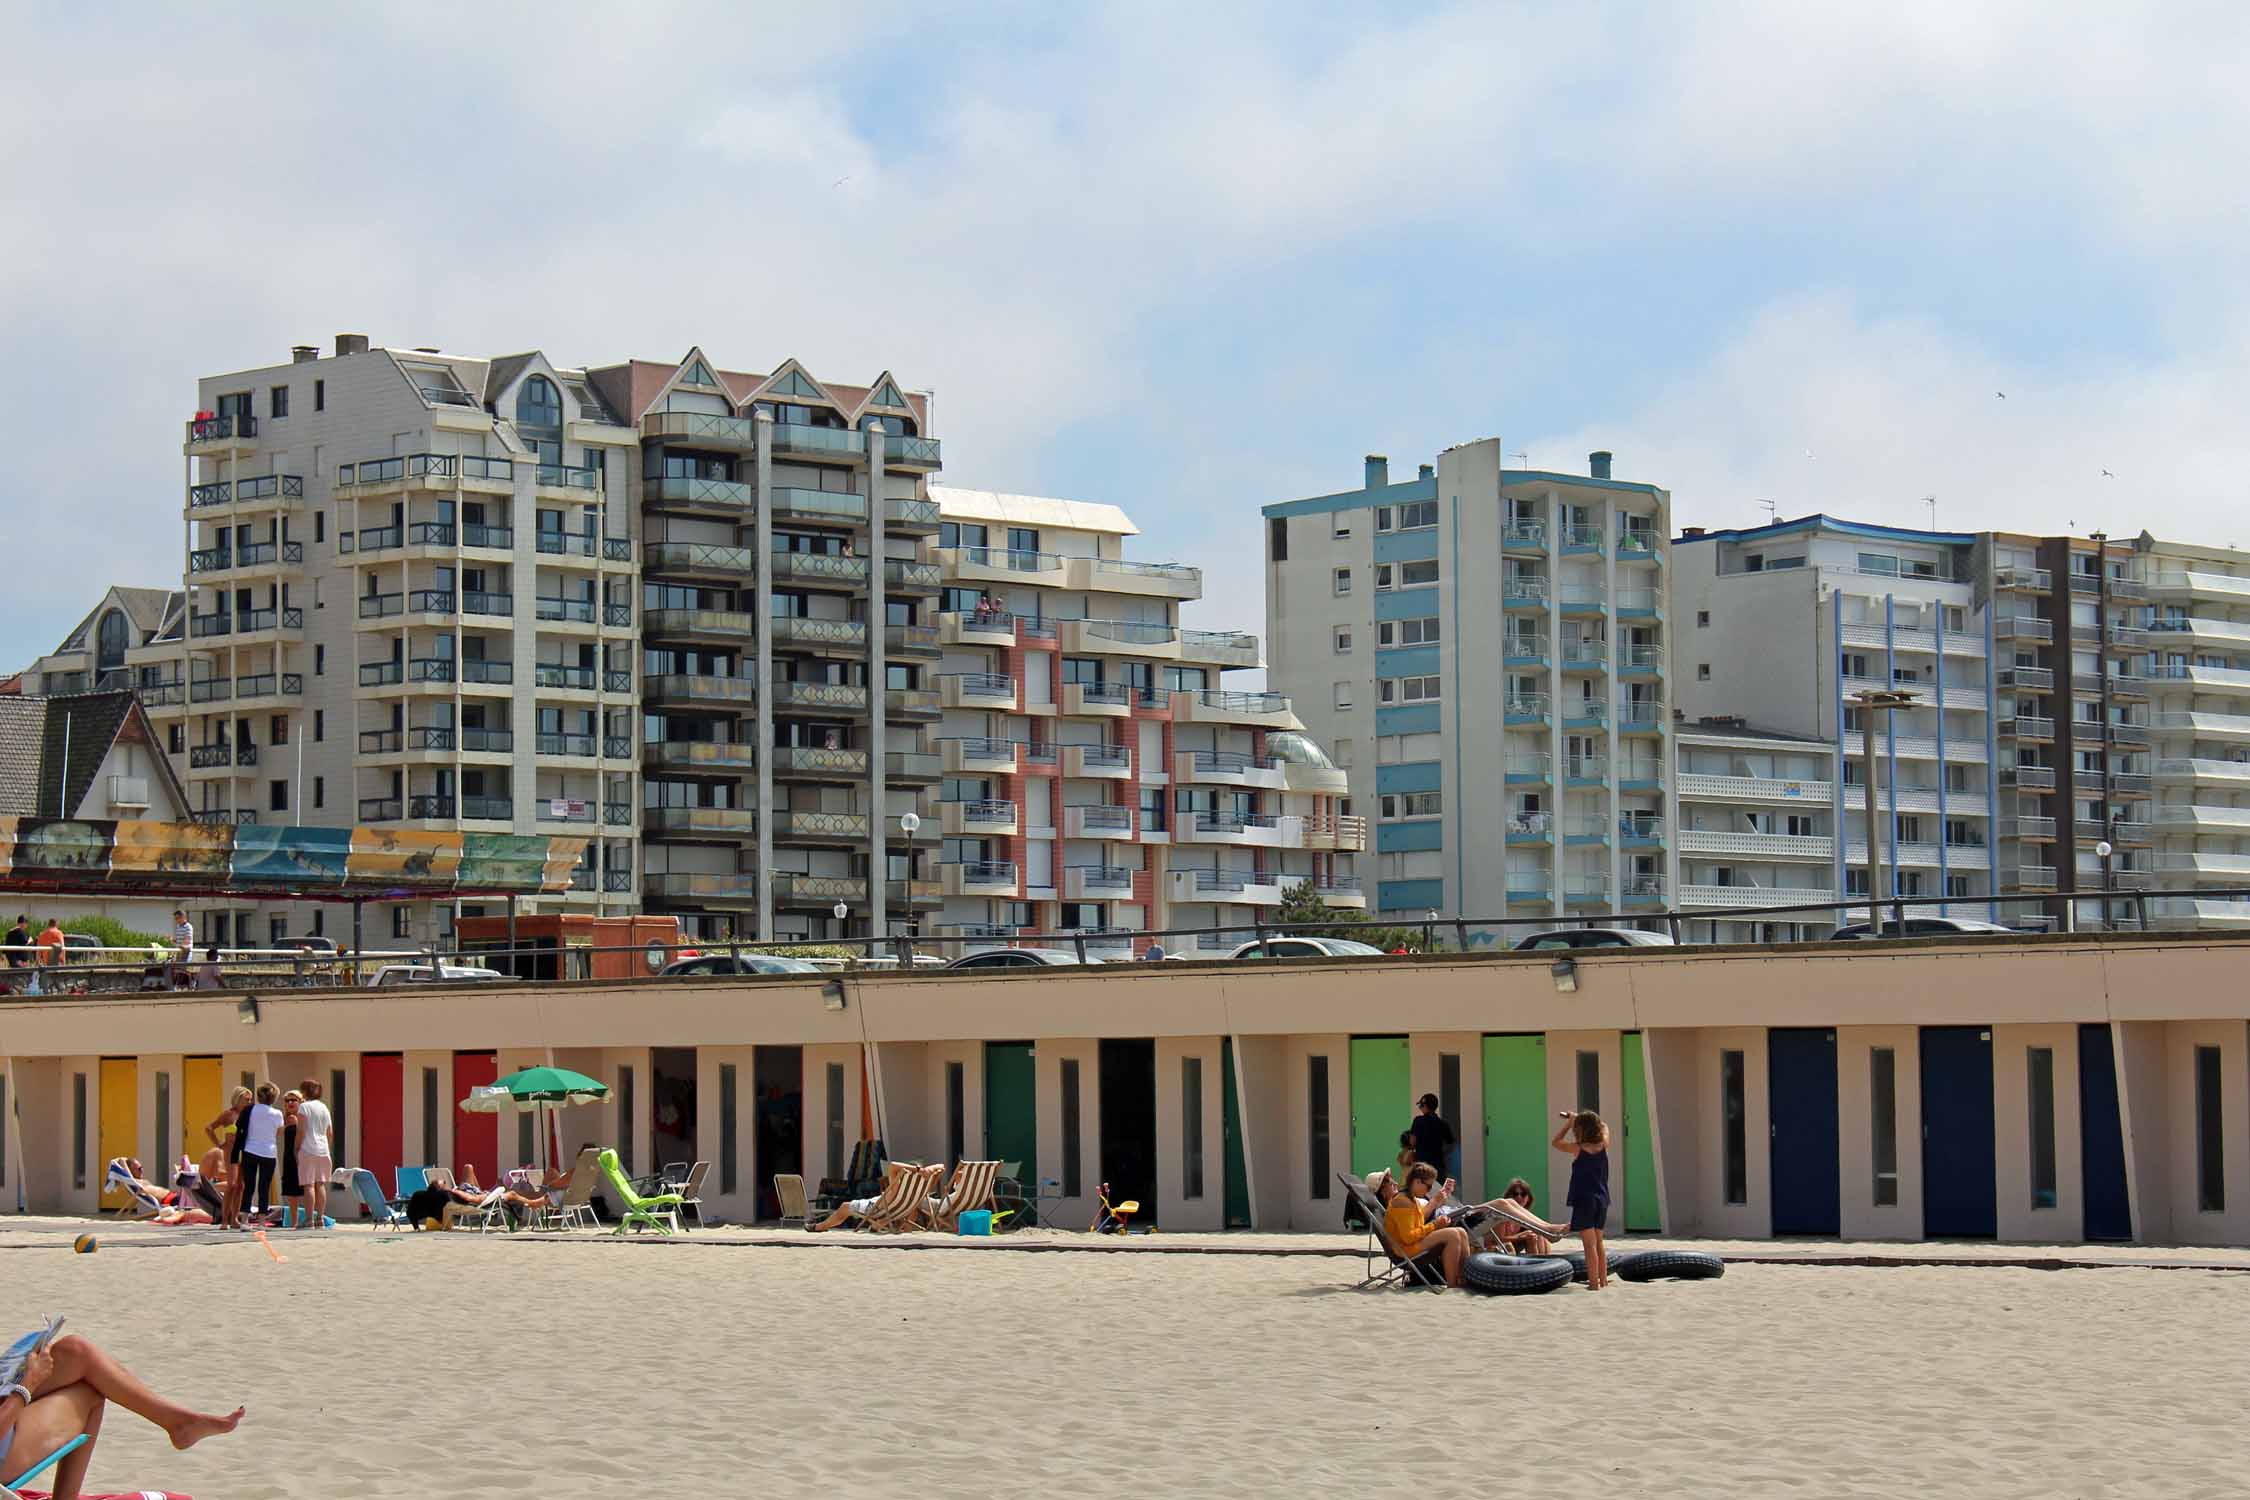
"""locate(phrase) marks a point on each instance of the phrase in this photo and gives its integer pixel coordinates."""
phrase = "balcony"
(818, 763)
(1522, 649)
(699, 755)
(987, 690)
(1116, 575)
(1585, 713)
(819, 698)
(976, 628)
(802, 440)
(208, 437)
(1524, 537)
(1639, 604)
(701, 624)
(1346, 835)
(820, 568)
(1581, 541)
(1636, 545)
(1748, 845)
(1220, 706)
(1254, 830)
(979, 755)
(2022, 628)
(1112, 700)
(2028, 778)
(1581, 602)
(815, 826)
(1585, 770)
(1228, 768)
(2031, 877)
(911, 703)
(2027, 727)
(268, 685)
(1101, 762)
(1002, 565)
(1639, 719)
(701, 888)
(1528, 770)
(2025, 679)
(2022, 580)
(566, 746)
(1118, 638)
(1529, 594)
(1097, 883)
(986, 818)
(913, 766)
(1640, 830)
(723, 822)
(1723, 897)
(1227, 648)
(2029, 829)
(1586, 890)
(984, 877)
(701, 430)
(1585, 656)
(1343, 892)
(210, 689)
(1531, 829)
(1640, 661)
(728, 498)
(1528, 709)
(557, 609)
(699, 560)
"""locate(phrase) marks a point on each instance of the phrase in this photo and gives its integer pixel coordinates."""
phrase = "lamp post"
(841, 910)
(1869, 701)
(909, 823)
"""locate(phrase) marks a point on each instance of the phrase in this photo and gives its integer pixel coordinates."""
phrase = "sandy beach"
(378, 1365)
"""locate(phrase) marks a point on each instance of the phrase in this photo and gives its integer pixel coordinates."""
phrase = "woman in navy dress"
(1585, 1139)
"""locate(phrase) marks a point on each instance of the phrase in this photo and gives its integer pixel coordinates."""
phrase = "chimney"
(350, 343)
(1691, 531)
(1597, 463)
(303, 354)
(1378, 471)
(1427, 471)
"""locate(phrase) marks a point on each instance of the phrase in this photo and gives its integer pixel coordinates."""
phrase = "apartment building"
(1781, 625)
(1476, 618)
(1099, 778)
(1754, 825)
(2199, 700)
(107, 649)
(428, 591)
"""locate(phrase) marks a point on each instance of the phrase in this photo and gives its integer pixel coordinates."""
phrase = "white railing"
(1768, 845)
(1758, 895)
(2224, 770)
(2176, 816)
(2204, 583)
(1753, 789)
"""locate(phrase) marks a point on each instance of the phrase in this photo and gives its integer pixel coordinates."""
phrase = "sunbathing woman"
(62, 1394)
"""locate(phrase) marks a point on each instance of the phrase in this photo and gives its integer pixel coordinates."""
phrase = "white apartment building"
(1753, 826)
(1099, 777)
(1478, 620)
(2200, 678)
(1780, 625)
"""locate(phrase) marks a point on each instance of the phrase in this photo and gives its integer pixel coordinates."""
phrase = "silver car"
(737, 963)
(1306, 947)
(1019, 958)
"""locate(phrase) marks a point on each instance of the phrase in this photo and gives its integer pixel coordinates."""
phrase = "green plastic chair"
(658, 1211)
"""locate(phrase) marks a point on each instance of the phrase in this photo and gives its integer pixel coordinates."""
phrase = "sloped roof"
(51, 749)
(22, 727)
(501, 372)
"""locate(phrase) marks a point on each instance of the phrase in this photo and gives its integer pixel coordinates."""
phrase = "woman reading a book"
(60, 1392)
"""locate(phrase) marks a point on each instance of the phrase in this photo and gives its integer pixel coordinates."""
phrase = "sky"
(1187, 260)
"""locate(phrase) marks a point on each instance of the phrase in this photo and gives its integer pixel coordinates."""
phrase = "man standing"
(183, 946)
(19, 938)
(1433, 1138)
(52, 942)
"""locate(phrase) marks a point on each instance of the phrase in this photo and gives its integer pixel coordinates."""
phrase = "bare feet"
(196, 1428)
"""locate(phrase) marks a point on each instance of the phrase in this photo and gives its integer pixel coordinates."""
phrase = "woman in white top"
(314, 1157)
(261, 1149)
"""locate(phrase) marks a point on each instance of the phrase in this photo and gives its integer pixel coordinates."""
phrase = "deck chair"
(139, 1204)
(381, 1214)
(658, 1211)
(863, 1177)
(908, 1208)
(408, 1181)
(971, 1188)
(9, 1489)
(577, 1205)
(789, 1188)
(691, 1190)
(1424, 1270)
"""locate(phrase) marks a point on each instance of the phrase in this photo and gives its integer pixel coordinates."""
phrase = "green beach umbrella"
(552, 1086)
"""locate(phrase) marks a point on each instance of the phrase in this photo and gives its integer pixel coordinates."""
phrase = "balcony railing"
(1235, 702)
(212, 429)
(485, 602)
(579, 611)
(1522, 535)
(566, 543)
(548, 674)
(487, 670)
(566, 744)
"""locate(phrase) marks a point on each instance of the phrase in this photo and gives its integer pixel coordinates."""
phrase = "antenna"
(1931, 502)
(1772, 511)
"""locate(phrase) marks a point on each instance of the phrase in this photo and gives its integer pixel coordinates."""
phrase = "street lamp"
(1869, 701)
(841, 911)
(2102, 851)
(910, 823)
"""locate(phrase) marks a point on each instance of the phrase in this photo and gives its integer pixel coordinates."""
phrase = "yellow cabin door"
(121, 1120)
(203, 1095)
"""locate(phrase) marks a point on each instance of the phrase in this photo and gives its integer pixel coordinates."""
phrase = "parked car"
(1019, 958)
(738, 963)
(306, 944)
(1925, 927)
(1593, 937)
(1306, 947)
(390, 975)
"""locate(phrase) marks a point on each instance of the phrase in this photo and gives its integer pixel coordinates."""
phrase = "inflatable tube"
(1577, 1259)
(1514, 1275)
(1673, 1265)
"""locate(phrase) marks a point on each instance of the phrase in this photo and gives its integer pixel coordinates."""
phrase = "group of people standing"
(265, 1134)
(1419, 1204)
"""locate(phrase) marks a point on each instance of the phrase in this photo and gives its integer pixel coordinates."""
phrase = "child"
(1406, 1157)
(1585, 1139)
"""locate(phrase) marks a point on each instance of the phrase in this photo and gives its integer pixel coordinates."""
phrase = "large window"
(1409, 689)
(1882, 1096)
(111, 639)
(1417, 632)
(1412, 573)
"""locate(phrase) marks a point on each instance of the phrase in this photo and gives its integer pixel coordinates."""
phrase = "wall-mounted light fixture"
(246, 1010)
(1565, 971)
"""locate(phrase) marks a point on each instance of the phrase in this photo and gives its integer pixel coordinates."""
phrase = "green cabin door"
(1515, 1114)
(1011, 1109)
(1641, 1208)
(1382, 1100)
(1238, 1175)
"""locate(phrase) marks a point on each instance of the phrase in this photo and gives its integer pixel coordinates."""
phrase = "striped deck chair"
(138, 1204)
(972, 1188)
(912, 1206)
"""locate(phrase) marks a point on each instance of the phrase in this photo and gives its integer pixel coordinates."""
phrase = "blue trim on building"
(1826, 523)
(1409, 838)
(1991, 766)
(1405, 604)
(1360, 499)
(1416, 896)
(1419, 718)
(1406, 661)
(1515, 479)
(1418, 545)
(1411, 776)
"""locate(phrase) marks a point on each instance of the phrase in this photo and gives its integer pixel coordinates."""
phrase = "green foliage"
(792, 950)
(1303, 912)
(111, 933)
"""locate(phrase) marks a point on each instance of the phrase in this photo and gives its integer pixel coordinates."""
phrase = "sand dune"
(415, 1365)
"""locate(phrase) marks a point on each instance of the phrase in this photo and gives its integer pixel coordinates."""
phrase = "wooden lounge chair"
(971, 1188)
(905, 1198)
(1424, 1270)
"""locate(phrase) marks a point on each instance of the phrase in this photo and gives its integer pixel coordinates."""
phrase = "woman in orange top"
(1407, 1224)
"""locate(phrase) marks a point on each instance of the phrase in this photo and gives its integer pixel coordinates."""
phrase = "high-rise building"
(2199, 684)
(1477, 620)
(1754, 825)
(1099, 776)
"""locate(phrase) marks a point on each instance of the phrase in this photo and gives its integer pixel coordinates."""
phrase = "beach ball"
(85, 1244)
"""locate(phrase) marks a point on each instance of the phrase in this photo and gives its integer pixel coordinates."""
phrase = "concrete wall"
(1861, 1216)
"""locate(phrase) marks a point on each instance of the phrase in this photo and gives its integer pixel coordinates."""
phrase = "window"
(1956, 886)
(1735, 1112)
(2040, 1067)
(1799, 825)
(627, 1116)
(1417, 632)
(277, 401)
(277, 795)
(1343, 580)
(1882, 1133)
(430, 1151)
(2210, 1139)
(1590, 1081)
(1703, 619)
(1419, 513)
(1428, 689)
(163, 1110)
(402, 922)
(1702, 671)
(956, 1113)
(176, 740)
(1382, 518)
(1153, 811)
(1411, 804)
(1343, 640)
(1343, 695)
(116, 633)
(320, 395)
(1277, 539)
(78, 1130)
(320, 725)
(320, 791)
(539, 408)
(277, 730)
(1382, 576)
(1316, 1124)
(320, 664)
(1339, 525)
(1413, 573)
(835, 1122)
(1073, 1178)
(1191, 1127)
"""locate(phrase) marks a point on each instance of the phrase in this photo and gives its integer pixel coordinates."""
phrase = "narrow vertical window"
(1316, 1117)
(836, 1159)
(78, 1130)
(523, 1138)
(1191, 1127)
(1882, 1124)
(163, 1134)
(956, 1112)
(2210, 1141)
(3, 1130)
(430, 1155)
(1590, 1081)
(626, 1114)
(729, 1157)
(1734, 1110)
(338, 1091)
(1073, 1178)
(1449, 1096)
(2040, 1086)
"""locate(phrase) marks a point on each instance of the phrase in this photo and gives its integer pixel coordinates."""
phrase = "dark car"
(1018, 958)
(742, 963)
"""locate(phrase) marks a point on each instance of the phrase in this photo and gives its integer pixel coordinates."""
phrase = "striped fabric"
(907, 1198)
(972, 1188)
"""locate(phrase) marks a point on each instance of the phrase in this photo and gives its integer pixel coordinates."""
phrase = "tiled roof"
(51, 749)
(22, 721)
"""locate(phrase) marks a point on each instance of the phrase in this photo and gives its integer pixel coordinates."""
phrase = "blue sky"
(1187, 260)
